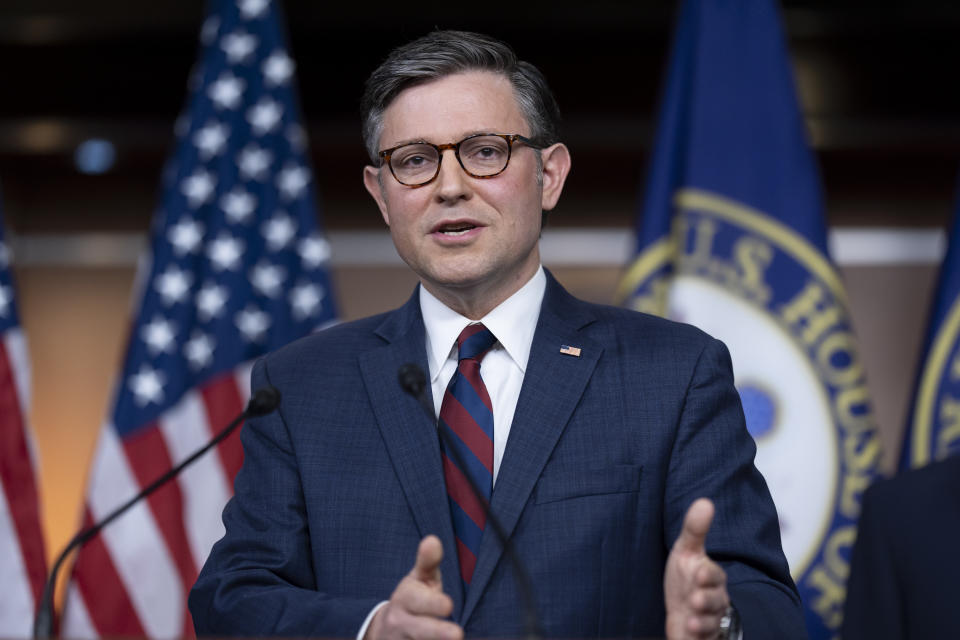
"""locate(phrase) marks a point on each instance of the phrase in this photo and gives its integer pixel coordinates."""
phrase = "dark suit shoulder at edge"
(938, 478)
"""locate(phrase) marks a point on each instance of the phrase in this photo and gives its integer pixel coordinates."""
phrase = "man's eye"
(413, 161)
(486, 153)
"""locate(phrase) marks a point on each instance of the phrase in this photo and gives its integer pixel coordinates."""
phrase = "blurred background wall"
(875, 81)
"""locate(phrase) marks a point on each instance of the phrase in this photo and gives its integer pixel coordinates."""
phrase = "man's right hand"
(418, 606)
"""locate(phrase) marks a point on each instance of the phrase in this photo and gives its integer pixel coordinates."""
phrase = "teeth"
(456, 230)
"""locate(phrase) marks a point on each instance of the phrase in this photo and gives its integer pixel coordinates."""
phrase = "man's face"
(470, 239)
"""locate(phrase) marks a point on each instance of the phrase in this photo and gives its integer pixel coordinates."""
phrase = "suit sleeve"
(713, 457)
(258, 580)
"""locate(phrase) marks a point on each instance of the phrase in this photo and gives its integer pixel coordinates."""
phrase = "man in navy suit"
(608, 425)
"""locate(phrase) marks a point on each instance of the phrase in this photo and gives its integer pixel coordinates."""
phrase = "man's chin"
(458, 282)
(461, 280)
(461, 270)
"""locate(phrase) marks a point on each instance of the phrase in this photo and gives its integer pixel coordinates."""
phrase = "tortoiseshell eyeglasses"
(482, 155)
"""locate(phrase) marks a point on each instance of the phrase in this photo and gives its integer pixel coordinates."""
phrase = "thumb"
(426, 568)
(696, 524)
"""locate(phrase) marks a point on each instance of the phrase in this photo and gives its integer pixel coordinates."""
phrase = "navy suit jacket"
(606, 452)
(906, 562)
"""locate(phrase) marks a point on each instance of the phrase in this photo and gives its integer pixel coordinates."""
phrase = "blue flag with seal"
(732, 238)
(933, 429)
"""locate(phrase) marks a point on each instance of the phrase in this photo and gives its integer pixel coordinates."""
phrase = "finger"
(399, 623)
(710, 574)
(426, 568)
(706, 626)
(696, 524)
(424, 627)
(418, 598)
(709, 601)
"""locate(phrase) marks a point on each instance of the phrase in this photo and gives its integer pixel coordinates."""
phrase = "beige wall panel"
(365, 291)
(890, 305)
(76, 322)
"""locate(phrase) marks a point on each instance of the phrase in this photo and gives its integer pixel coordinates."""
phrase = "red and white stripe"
(133, 578)
(22, 557)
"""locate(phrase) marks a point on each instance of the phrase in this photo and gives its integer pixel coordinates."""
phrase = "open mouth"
(455, 228)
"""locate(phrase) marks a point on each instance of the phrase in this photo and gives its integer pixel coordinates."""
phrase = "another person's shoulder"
(910, 503)
(917, 487)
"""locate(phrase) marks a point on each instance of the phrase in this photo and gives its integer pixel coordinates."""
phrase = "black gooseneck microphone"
(262, 402)
(414, 381)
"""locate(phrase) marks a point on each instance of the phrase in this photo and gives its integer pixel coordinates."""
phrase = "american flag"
(236, 268)
(23, 565)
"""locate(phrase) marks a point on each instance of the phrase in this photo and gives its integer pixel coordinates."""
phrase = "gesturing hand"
(418, 605)
(694, 586)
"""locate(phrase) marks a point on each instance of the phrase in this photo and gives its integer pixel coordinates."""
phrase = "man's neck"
(475, 302)
(513, 322)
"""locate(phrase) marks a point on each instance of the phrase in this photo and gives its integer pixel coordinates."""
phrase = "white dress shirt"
(513, 323)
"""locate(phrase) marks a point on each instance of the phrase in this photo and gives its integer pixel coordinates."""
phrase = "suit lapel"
(410, 439)
(552, 386)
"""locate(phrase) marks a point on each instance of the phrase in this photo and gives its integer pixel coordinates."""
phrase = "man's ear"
(371, 180)
(556, 166)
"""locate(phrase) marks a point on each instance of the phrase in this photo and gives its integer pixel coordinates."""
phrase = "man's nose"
(452, 181)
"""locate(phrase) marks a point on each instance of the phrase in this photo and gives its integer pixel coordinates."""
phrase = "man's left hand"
(694, 586)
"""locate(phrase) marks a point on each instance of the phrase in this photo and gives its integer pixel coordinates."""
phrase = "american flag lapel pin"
(567, 350)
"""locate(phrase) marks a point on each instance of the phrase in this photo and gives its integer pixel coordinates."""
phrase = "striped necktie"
(467, 415)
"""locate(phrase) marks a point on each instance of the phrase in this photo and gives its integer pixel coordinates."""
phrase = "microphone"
(413, 380)
(262, 402)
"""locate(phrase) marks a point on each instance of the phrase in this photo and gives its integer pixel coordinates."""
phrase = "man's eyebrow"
(422, 140)
(409, 141)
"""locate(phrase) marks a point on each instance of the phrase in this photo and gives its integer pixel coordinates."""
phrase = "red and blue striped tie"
(467, 415)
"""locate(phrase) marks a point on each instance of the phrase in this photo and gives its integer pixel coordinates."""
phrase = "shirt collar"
(513, 322)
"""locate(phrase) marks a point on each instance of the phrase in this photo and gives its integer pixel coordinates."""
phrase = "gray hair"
(443, 53)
